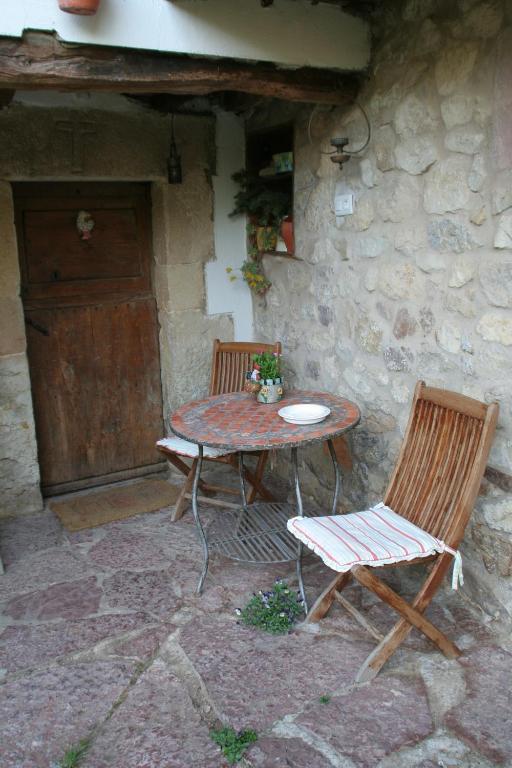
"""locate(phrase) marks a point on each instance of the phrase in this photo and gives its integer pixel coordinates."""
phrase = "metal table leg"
(300, 513)
(337, 476)
(195, 510)
(241, 475)
(300, 509)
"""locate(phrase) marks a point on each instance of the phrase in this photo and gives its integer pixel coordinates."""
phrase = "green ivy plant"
(274, 611)
(265, 205)
(233, 744)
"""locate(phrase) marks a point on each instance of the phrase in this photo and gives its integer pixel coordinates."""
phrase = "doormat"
(106, 506)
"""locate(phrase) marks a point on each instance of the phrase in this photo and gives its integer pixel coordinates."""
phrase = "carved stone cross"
(78, 131)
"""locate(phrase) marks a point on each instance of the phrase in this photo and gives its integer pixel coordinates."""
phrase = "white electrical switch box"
(344, 204)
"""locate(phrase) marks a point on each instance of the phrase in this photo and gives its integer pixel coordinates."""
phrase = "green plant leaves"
(75, 754)
(233, 744)
(266, 205)
(269, 365)
(274, 611)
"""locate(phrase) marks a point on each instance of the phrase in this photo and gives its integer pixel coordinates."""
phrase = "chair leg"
(258, 475)
(411, 616)
(182, 502)
(175, 460)
(255, 482)
(326, 599)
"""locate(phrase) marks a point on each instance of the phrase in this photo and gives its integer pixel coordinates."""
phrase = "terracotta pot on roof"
(81, 7)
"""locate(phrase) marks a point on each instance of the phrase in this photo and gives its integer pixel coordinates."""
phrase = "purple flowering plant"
(274, 611)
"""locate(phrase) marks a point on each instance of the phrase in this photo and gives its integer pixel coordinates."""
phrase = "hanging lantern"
(174, 174)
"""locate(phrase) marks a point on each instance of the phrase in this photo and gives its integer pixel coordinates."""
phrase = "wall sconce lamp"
(338, 155)
(174, 174)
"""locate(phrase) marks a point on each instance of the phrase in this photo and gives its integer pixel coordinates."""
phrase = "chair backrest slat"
(442, 461)
(231, 360)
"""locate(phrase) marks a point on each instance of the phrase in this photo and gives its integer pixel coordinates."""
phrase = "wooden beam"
(40, 61)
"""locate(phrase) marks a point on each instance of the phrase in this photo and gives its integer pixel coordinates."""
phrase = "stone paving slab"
(282, 753)
(152, 591)
(484, 718)
(441, 750)
(141, 645)
(85, 613)
(155, 727)
(256, 679)
(39, 569)
(28, 646)
(241, 580)
(373, 720)
(122, 548)
(72, 600)
(33, 533)
(43, 714)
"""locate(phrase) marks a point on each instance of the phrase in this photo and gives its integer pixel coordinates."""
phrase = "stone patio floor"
(103, 637)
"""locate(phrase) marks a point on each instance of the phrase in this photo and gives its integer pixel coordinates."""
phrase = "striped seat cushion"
(191, 450)
(375, 537)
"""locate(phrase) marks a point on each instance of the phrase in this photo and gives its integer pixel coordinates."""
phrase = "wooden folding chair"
(230, 361)
(429, 500)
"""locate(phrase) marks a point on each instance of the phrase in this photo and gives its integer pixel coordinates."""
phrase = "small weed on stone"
(233, 744)
(274, 611)
(74, 755)
(324, 699)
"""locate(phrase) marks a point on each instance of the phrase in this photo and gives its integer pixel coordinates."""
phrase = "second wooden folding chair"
(230, 362)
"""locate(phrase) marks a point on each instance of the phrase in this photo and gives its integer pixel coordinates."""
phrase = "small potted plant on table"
(268, 367)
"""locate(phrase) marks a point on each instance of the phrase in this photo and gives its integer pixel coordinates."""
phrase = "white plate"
(304, 413)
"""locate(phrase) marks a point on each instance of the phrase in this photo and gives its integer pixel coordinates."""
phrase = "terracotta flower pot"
(81, 7)
(287, 234)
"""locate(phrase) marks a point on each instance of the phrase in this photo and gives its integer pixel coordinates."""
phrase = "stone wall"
(417, 283)
(19, 470)
(67, 142)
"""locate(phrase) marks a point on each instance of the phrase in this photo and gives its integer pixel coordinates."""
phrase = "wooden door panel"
(96, 388)
(56, 253)
(91, 328)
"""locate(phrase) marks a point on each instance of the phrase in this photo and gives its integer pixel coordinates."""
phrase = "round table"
(238, 423)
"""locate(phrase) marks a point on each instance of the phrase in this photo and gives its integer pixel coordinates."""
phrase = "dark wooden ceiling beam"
(355, 7)
(40, 61)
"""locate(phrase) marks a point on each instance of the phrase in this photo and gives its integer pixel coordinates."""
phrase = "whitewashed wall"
(290, 32)
(222, 295)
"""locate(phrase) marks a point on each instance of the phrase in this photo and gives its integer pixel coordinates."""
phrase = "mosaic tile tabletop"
(239, 423)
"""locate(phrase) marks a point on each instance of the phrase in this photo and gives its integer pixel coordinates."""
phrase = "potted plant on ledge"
(264, 206)
(265, 209)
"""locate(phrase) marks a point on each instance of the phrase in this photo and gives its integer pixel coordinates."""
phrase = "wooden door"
(91, 330)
